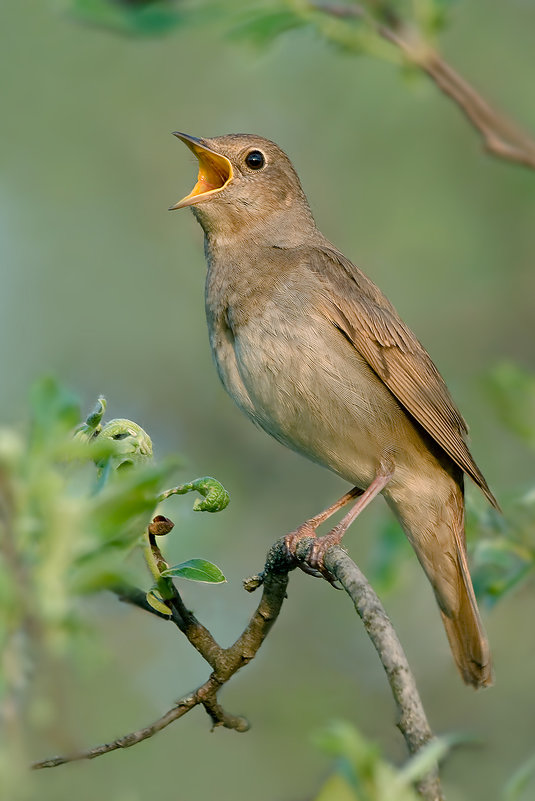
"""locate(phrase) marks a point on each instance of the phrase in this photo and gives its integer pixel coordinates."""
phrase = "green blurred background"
(103, 287)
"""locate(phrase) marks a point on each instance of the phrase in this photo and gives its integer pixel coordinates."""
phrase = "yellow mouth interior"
(215, 172)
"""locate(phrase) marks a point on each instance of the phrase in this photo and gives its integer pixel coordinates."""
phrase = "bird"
(314, 353)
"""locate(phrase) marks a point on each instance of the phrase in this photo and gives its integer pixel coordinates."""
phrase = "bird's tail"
(442, 553)
(463, 625)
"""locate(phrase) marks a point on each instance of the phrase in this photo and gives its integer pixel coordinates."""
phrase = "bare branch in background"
(501, 137)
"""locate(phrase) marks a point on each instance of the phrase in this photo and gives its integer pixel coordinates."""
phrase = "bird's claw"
(314, 565)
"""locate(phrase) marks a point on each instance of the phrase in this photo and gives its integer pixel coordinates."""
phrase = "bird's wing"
(370, 323)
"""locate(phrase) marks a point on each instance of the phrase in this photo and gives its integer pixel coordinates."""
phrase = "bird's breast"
(298, 378)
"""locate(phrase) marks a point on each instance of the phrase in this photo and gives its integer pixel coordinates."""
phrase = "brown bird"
(313, 352)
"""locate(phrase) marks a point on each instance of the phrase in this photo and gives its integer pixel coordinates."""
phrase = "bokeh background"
(102, 287)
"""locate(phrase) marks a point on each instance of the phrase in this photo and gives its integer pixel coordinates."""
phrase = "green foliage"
(76, 502)
(155, 600)
(66, 532)
(216, 498)
(504, 554)
(512, 392)
(350, 27)
(521, 785)
(263, 23)
(390, 550)
(132, 17)
(196, 570)
(363, 775)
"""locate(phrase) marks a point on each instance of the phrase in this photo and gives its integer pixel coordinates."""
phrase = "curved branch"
(412, 721)
(226, 662)
(501, 137)
(182, 706)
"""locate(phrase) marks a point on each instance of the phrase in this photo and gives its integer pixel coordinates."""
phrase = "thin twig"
(182, 706)
(502, 138)
(225, 661)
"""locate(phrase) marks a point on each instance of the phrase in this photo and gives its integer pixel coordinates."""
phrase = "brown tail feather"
(440, 547)
(469, 643)
(464, 628)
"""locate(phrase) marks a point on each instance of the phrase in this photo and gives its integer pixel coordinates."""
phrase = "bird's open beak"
(215, 172)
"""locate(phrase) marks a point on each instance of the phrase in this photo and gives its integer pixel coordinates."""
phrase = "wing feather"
(356, 306)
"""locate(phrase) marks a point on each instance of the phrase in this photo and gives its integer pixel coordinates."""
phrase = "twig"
(226, 662)
(412, 721)
(501, 137)
(182, 706)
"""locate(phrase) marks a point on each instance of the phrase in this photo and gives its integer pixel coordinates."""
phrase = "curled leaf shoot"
(215, 496)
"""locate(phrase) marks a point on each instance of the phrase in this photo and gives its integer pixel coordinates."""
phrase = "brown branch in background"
(501, 137)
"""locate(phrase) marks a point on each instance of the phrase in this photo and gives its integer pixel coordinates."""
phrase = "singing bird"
(314, 353)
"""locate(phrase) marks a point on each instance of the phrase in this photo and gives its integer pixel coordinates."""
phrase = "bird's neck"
(238, 230)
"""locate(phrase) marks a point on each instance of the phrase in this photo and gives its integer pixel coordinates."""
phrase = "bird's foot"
(314, 565)
(292, 540)
(317, 552)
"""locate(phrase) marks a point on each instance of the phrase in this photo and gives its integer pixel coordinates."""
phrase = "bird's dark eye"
(255, 160)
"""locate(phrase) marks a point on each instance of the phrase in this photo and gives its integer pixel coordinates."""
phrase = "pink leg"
(334, 537)
(308, 528)
(314, 522)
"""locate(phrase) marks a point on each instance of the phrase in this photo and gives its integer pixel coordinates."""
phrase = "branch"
(226, 662)
(412, 721)
(501, 137)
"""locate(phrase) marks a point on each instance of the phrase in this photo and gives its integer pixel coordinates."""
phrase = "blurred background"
(102, 287)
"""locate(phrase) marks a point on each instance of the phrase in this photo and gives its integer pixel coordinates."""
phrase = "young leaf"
(196, 570)
(515, 788)
(154, 600)
(216, 498)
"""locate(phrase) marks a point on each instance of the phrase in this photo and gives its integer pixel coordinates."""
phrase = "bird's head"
(246, 184)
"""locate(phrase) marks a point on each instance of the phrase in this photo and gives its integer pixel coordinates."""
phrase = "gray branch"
(412, 721)
(225, 662)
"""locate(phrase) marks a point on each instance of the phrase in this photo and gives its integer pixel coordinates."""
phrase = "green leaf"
(155, 600)
(92, 424)
(123, 509)
(134, 17)
(512, 392)
(499, 565)
(428, 757)
(515, 788)
(365, 775)
(262, 25)
(337, 788)
(132, 444)
(196, 570)
(54, 413)
(216, 498)
(215, 495)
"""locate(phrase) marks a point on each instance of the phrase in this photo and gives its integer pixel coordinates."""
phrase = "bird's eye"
(255, 160)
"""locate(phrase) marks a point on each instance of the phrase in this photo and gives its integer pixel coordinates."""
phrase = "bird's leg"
(308, 528)
(322, 544)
